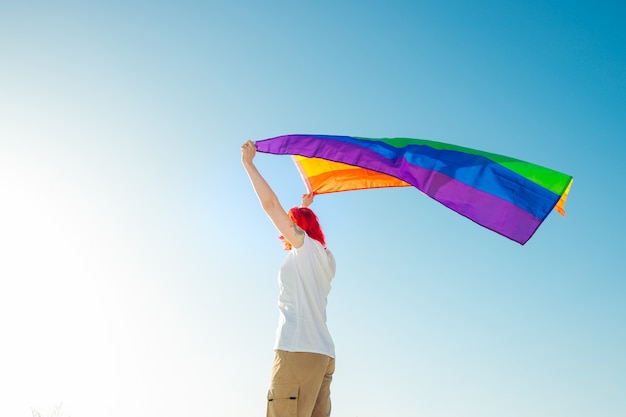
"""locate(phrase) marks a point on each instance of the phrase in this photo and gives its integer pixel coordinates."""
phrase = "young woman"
(304, 359)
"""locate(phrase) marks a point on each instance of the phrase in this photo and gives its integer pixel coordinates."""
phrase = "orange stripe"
(560, 205)
(353, 178)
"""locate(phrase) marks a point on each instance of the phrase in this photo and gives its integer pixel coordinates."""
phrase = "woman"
(304, 359)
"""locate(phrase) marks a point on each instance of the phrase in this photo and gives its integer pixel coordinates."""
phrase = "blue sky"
(138, 272)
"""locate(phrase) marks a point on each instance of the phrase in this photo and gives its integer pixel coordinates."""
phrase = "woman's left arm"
(268, 199)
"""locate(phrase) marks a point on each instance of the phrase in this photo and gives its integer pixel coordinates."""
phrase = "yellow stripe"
(322, 176)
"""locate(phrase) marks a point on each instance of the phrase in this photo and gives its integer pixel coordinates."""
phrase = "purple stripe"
(483, 208)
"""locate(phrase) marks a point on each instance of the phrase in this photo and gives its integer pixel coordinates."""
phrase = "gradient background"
(138, 272)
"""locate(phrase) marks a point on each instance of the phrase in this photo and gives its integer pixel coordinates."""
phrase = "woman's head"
(306, 220)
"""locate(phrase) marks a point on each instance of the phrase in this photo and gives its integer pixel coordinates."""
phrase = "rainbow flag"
(506, 195)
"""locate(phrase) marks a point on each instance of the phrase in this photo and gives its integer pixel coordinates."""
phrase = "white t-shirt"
(304, 282)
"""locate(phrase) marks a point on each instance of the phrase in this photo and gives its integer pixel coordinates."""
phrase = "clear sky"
(138, 271)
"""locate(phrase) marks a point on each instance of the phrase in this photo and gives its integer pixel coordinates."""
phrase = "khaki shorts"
(300, 385)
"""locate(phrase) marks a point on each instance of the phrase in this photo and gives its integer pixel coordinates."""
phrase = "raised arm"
(268, 199)
(307, 199)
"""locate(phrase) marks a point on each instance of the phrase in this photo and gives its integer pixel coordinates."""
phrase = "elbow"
(269, 204)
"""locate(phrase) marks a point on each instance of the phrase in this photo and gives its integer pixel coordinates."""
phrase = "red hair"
(306, 220)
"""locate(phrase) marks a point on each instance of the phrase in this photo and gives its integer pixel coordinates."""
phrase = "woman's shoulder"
(310, 245)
